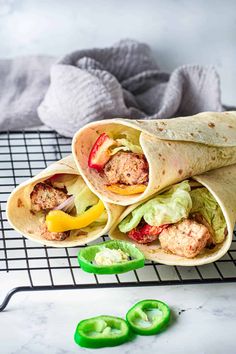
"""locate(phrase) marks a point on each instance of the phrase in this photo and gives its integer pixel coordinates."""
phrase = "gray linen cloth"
(120, 81)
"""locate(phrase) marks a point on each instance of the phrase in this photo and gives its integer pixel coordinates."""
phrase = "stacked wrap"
(176, 149)
(27, 223)
(221, 183)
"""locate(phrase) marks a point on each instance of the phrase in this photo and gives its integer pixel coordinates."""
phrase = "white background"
(179, 31)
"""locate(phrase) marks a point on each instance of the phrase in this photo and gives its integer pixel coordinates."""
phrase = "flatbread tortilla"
(222, 185)
(174, 148)
(27, 224)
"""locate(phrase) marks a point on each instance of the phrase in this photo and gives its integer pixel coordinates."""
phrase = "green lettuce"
(205, 204)
(128, 140)
(75, 184)
(84, 198)
(166, 208)
(64, 180)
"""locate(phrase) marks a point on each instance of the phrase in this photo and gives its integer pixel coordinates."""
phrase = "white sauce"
(109, 256)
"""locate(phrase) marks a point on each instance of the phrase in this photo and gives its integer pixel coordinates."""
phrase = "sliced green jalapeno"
(148, 317)
(102, 331)
(111, 257)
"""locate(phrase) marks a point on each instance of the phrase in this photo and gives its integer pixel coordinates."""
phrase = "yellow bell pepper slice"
(59, 221)
(122, 189)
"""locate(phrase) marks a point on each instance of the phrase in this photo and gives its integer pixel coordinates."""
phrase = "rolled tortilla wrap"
(221, 183)
(27, 223)
(175, 149)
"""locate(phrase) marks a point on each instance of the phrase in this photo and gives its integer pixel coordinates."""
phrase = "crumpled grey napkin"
(121, 81)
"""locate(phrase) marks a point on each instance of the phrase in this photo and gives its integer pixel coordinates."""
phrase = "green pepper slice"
(148, 317)
(135, 258)
(102, 331)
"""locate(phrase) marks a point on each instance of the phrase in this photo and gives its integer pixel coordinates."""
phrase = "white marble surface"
(203, 320)
(179, 32)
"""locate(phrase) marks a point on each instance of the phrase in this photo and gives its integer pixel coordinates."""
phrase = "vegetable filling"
(184, 220)
(66, 207)
(121, 162)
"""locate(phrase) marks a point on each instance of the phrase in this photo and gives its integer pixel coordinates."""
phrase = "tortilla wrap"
(175, 149)
(221, 183)
(26, 223)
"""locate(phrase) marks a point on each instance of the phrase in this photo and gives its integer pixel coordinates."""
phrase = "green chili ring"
(142, 322)
(102, 331)
(87, 255)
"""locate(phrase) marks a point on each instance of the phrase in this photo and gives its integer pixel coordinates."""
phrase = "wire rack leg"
(45, 288)
(57, 287)
(11, 293)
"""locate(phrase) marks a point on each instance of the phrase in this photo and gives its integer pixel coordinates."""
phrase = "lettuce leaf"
(63, 180)
(128, 140)
(166, 208)
(84, 198)
(205, 204)
(126, 145)
(74, 185)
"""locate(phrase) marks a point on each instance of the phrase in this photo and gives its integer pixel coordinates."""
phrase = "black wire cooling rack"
(28, 266)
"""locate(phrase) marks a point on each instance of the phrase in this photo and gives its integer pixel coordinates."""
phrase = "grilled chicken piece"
(186, 238)
(44, 197)
(199, 218)
(126, 168)
(52, 236)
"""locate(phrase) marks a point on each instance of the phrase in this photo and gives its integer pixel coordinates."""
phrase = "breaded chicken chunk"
(52, 236)
(44, 197)
(187, 238)
(126, 168)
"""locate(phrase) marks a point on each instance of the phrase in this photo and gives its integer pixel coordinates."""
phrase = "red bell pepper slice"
(100, 154)
(146, 233)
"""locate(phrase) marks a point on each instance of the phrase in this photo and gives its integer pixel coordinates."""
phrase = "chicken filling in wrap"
(185, 219)
(65, 207)
(119, 159)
